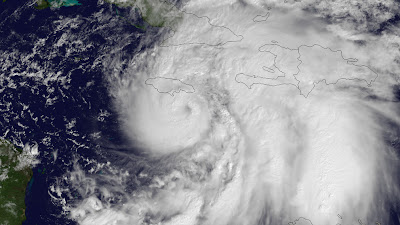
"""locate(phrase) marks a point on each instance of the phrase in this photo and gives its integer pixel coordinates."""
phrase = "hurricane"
(249, 112)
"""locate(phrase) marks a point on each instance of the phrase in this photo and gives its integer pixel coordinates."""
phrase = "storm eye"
(188, 110)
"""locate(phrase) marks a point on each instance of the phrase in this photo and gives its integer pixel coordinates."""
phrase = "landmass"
(307, 66)
(335, 68)
(250, 80)
(42, 4)
(301, 221)
(142, 27)
(169, 85)
(268, 69)
(15, 173)
(158, 13)
(261, 18)
(206, 33)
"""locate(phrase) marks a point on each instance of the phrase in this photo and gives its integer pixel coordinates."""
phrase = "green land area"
(42, 4)
(159, 13)
(156, 13)
(14, 178)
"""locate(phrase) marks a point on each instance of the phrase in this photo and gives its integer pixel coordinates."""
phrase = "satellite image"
(199, 112)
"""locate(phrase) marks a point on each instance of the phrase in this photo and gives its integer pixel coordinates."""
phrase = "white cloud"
(234, 155)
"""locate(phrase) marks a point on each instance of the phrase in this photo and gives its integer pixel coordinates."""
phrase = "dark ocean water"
(72, 76)
(45, 87)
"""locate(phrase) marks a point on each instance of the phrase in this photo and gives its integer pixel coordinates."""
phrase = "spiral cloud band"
(251, 112)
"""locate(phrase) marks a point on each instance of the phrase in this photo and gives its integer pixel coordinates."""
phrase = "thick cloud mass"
(245, 145)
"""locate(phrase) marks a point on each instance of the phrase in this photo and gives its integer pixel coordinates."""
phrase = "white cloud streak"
(228, 154)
